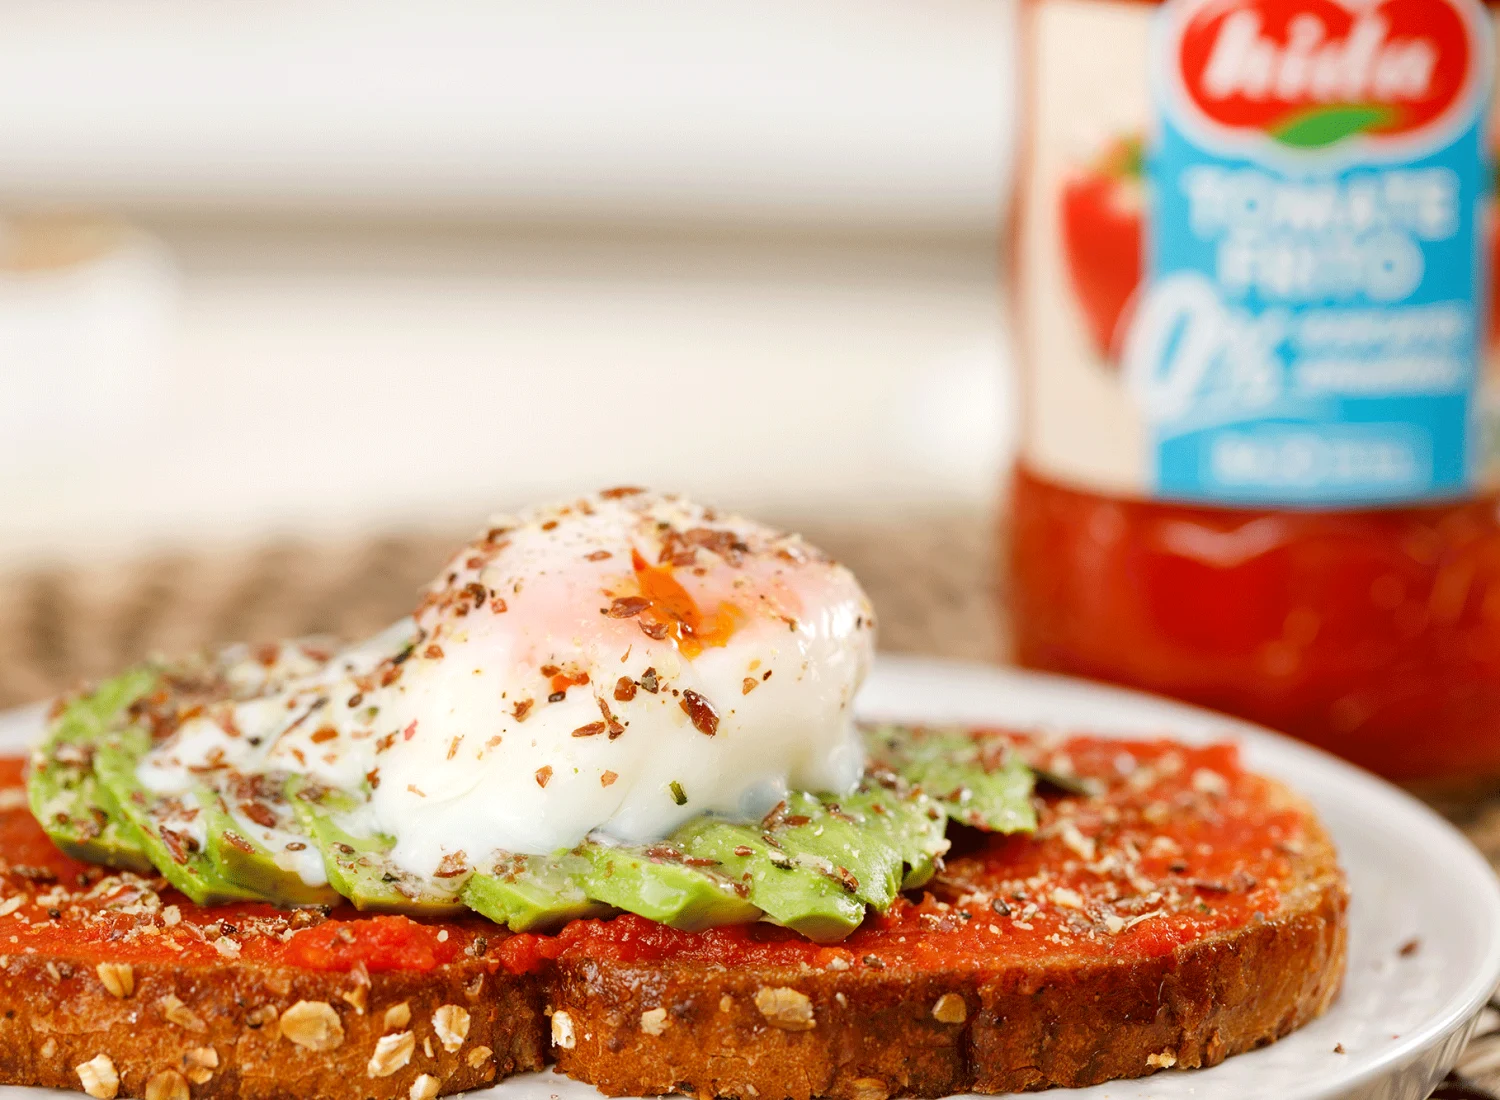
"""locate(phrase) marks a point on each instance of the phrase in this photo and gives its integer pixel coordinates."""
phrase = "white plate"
(1402, 1021)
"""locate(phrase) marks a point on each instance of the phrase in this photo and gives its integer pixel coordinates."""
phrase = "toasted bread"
(926, 1003)
(1009, 1027)
(156, 997)
(1186, 912)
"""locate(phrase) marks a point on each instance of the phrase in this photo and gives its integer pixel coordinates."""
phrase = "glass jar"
(1252, 259)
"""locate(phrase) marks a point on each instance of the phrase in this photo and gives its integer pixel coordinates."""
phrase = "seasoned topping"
(392, 1053)
(625, 607)
(785, 1008)
(314, 1025)
(98, 1078)
(704, 717)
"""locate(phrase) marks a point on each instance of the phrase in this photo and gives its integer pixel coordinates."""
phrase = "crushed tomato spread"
(1181, 842)
(1170, 844)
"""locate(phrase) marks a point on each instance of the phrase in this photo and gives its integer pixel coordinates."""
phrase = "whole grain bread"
(256, 1032)
(861, 1034)
(1105, 996)
(1101, 998)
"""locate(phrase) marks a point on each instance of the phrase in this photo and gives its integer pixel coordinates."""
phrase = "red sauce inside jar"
(1375, 634)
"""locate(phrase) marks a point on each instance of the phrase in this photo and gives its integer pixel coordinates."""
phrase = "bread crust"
(56, 1016)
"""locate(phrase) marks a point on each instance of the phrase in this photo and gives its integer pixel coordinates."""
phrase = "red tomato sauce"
(78, 911)
(1180, 842)
(1375, 634)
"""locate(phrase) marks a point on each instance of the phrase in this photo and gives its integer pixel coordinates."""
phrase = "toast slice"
(1188, 912)
(1170, 910)
(114, 984)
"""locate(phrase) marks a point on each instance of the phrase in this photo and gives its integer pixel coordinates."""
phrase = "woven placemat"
(934, 581)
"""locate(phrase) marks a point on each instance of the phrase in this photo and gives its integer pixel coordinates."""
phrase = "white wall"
(856, 113)
(324, 382)
(407, 265)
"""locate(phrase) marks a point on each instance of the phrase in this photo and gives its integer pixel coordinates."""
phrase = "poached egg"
(614, 666)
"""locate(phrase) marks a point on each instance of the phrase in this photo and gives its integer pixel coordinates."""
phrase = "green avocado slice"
(816, 864)
(913, 824)
(792, 894)
(975, 778)
(63, 790)
(240, 858)
(534, 893)
(838, 842)
(820, 860)
(916, 825)
(357, 861)
(162, 825)
(655, 883)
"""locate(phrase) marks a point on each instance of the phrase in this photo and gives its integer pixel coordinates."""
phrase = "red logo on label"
(1312, 72)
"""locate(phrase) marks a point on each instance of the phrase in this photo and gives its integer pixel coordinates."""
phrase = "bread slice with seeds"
(1170, 912)
(114, 985)
(231, 1030)
(1016, 974)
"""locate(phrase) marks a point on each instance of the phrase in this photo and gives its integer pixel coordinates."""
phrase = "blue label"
(1311, 323)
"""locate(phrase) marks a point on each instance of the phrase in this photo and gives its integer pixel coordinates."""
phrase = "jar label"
(1277, 273)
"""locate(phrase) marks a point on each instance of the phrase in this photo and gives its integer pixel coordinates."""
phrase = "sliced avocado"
(914, 825)
(357, 861)
(241, 859)
(836, 840)
(655, 883)
(534, 893)
(974, 777)
(162, 825)
(792, 894)
(63, 790)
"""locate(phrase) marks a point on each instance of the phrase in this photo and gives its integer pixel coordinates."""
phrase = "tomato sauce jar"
(1253, 260)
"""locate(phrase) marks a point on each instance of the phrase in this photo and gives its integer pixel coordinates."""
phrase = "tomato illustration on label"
(1102, 214)
(1103, 232)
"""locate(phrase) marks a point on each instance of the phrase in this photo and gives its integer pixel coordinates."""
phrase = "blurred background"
(291, 296)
